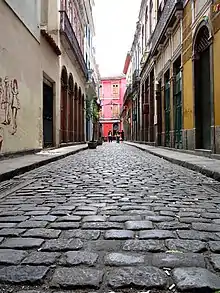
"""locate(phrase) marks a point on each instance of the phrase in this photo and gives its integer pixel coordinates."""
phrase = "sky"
(115, 23)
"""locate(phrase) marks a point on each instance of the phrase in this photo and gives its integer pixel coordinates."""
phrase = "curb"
(10, 174)
(207, 172)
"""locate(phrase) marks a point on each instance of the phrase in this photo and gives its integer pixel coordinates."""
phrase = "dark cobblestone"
(77, 278)
(21, 274)
(81, 257)
(62, 219)
(42, 233)
(62, 244)
(144, 245)
(195, 278)
(24, 243)
(146, 277)
(119, 234)
(122, 259)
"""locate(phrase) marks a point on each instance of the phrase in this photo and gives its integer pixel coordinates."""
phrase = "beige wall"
(21, 60)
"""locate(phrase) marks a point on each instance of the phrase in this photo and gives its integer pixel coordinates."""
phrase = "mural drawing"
(9, 106)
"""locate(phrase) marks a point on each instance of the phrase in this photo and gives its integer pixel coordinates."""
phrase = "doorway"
(167, 108)
(115, 128)
(159, 115)
(47, 115)
(177, 103)
(202, 89)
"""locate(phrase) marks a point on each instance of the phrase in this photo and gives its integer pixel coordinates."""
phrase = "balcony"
(70, 42)
(167, 19)
(135, 79)
(127, 94)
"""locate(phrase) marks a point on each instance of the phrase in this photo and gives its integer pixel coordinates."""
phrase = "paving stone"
(124, 218)
(42, 233)
(144, 245)
(103, 245)
(21, 274)
(194, 220)
(41, 258)
(11, 232)
(22, 243)
(121, 259)
(206, 227)
(62, 245)
(159, 218)
(138, 225)
(156, 234)
(197, 235)
(119, 234)
(36, 213)
(11, 257)
(215, 260)
(13, 219)
(214, 246)
(174, 260)
(81, 257)
(84, 213)
(1, 239)
(47, 218)
(77, 278)
(146, 277)
(32, 224)
(94, 219)
(7, 225)
(64, 225)
(102, 225)
(69, 219)
(186, 245)
(86, 208)
(82, 234)
(172, 226)
(195, 278)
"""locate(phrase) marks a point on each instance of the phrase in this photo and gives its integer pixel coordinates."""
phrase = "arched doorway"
(202, 83)
(80, 115)
(63, 105)
(83, 118)
(75, 111)
(70, 108)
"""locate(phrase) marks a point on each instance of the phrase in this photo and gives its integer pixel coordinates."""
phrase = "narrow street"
(107, 219)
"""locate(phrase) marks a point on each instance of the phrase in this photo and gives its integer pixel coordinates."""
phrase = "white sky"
(115, 23)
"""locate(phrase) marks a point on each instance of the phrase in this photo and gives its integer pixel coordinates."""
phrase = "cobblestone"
(93, 221)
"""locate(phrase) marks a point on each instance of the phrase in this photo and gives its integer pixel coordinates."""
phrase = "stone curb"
(18, 171)
(193, 167)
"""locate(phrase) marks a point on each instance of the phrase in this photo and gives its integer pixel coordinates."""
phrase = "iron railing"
(170, 7)
(67, 30)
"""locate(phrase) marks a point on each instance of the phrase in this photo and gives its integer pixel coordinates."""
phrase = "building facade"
(43, 74)
(179, 89)
(112, 91)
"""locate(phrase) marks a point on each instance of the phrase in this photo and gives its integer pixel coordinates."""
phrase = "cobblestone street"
(108, 219)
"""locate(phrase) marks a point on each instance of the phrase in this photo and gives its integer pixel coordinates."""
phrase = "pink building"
(111, 94)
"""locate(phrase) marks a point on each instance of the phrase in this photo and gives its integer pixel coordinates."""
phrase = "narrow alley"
(109, 219)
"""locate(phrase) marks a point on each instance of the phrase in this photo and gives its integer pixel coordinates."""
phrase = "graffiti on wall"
(9, 106)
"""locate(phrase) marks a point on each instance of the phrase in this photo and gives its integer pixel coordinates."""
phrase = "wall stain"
(9, 106)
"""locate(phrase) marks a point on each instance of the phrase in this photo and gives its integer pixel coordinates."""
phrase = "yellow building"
(201, 76)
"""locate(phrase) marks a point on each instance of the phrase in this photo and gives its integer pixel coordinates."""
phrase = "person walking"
(109, 136)
(122, 135)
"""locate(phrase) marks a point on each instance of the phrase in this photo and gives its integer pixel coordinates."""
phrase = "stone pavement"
(14, 166)
(207, 166)
(110, 219)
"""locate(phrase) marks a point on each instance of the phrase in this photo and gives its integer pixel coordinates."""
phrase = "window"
(151, 16)
(115, 90)
(146, 25)
(115, 111)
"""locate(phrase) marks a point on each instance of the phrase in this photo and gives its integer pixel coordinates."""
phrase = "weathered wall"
(20, 87)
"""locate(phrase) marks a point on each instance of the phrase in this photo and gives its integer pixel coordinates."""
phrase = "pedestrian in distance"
(122, 135)
(109, 136)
